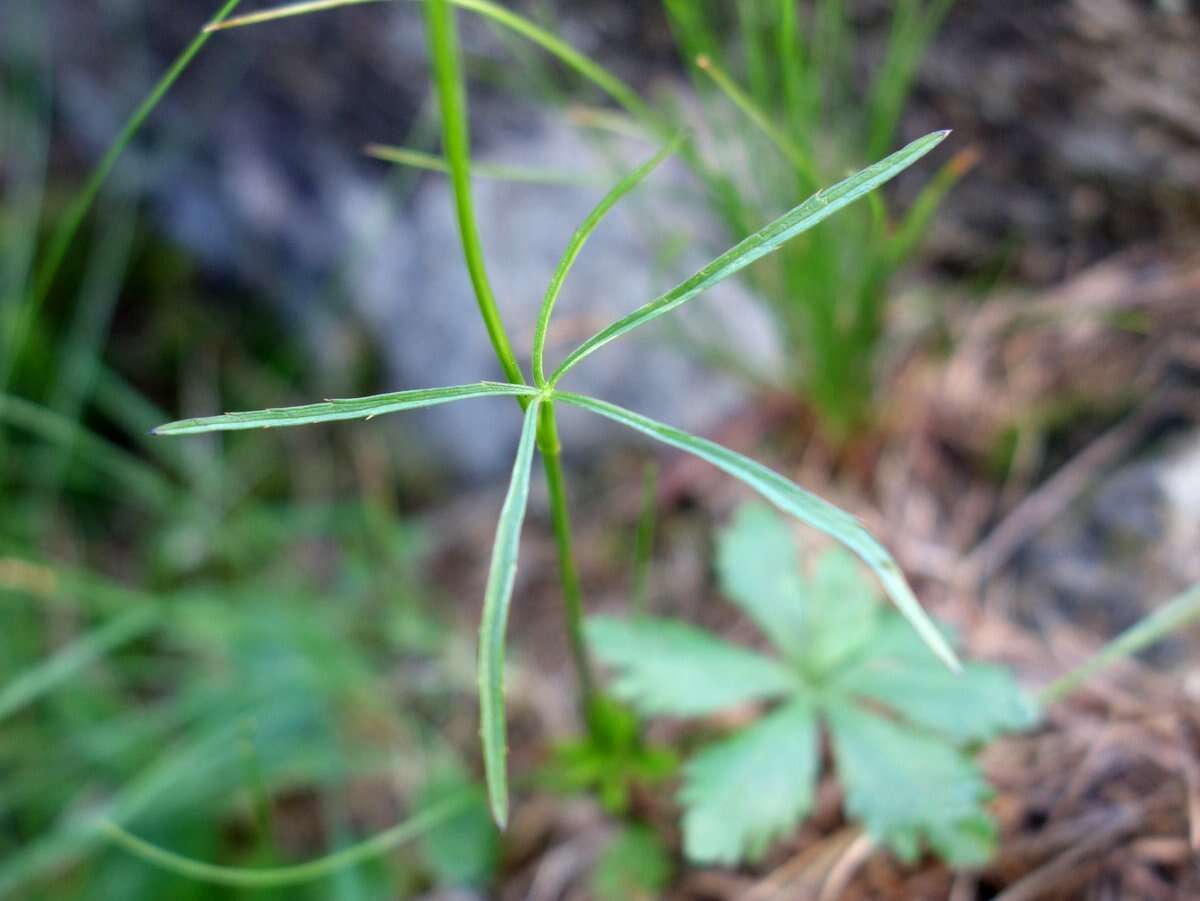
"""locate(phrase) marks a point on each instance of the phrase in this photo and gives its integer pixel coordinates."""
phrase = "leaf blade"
(815, 209)
(791, 498)
(667, 667)
(497, 598)
(347, 408)
(578, 239)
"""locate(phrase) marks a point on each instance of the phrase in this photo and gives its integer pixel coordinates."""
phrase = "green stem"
(447, 70)
(1173, 615)
(551, 450)
(443, 41)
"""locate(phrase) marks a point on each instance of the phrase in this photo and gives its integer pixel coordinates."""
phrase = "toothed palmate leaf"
(350, 408)
(665, 667)
(901, 728)
(790, 498)
(743, 793)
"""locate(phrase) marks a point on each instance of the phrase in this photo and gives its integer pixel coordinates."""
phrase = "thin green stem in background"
(755, 114)
(1175, 614)
(68, 226)
(643, 543)
(305, 872)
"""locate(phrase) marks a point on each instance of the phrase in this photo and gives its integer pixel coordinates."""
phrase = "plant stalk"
(447, 70)
(551, 450)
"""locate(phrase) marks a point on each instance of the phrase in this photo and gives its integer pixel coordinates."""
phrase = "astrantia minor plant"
(536, 400)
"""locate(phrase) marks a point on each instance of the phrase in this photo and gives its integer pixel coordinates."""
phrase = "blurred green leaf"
(901, 722)
(742, 793)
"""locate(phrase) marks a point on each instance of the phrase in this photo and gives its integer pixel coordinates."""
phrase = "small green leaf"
(770, 238)
(636, 866)
(906, 786)
(496, 599)
(665, 667)
(790, 498)
(760, 572)
(351, 408)
(976, 705)
(743, 793)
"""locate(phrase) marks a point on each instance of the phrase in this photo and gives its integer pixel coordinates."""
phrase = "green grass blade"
(61, 666)
(564, 52)
(349, 408)
(67, 228)
(430, 162)
(589, 225)
(790, 498)
(752, 111)
(375, 846)
(820, 206)
(1175, 614)
(497, 597)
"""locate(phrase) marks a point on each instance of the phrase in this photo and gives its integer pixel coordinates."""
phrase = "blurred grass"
(196, 641)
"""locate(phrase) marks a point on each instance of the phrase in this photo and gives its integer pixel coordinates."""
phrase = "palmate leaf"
(350, 408)
(790, 498)
(743, 793)
(816, 209)
(502, 574)
(667, 667)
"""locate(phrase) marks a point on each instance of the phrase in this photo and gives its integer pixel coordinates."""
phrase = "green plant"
(901, 725)
(537, 400)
